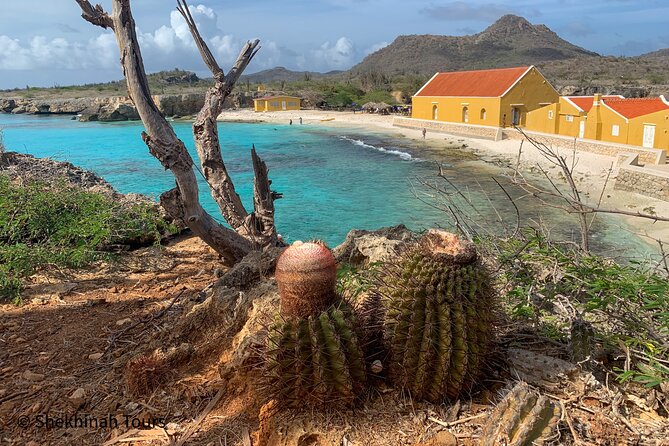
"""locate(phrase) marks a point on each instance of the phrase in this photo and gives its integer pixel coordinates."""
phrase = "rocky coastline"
(108, 109)
(24, 168)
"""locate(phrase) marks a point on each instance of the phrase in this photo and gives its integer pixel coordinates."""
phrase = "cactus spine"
(314, 353)
(438, 321)
(522, 418)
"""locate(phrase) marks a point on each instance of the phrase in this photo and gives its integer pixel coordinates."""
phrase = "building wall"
(450, 109)
(544, 119)
(645, 156)
(452, 128)
(561, 118)
(569, 124)
(660, 120)
(600, 123)
(531, 91)
(275, 103)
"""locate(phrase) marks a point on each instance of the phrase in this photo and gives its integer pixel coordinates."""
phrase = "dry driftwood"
(250, 231)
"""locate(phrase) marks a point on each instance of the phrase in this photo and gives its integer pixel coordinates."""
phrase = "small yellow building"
(276, 103)
(498, 97)
(639, 122)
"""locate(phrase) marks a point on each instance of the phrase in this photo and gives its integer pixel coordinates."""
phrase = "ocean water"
(333, 179)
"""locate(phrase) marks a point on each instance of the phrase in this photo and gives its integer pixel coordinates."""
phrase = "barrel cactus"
(522, 418)
(317, 359)
(314, 354)
(438, 322)
(306, 274)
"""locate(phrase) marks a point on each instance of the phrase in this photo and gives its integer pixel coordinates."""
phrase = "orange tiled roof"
(585, 102)
(635, 107)
(480, 83)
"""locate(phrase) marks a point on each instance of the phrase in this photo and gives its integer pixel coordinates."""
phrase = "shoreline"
(590, 172)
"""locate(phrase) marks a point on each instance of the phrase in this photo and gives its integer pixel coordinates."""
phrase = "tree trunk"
(249, 231)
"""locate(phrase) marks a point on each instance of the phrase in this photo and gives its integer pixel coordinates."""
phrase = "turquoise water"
(333, 179)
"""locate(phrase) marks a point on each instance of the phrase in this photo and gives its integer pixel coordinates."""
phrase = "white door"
(283, 105)
(581, 129)
(648, 135)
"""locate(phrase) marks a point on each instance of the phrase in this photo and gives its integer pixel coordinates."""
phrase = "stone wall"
(452, 128)
(648, 181)
(645, 156)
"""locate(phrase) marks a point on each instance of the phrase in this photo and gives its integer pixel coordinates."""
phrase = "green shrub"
(378, 96)
(627, 304)
(43, 224)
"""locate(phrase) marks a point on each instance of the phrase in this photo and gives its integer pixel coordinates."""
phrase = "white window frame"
(569, 118)
(615, 130)
(550, 114)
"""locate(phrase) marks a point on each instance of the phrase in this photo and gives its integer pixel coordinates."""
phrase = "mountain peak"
(508, 25)
(512, 20)
(510, 41)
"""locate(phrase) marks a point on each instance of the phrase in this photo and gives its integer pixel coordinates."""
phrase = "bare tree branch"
(208, 57)
(95, 15)
(183, 201)
(574, 202)
(516, 230)
(262, 219)
(207, 142)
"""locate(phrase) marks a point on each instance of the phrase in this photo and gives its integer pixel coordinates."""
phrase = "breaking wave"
(404, 155)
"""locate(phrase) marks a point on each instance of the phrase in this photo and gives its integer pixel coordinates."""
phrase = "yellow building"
(566, 117)
(276, 103)
(498, 97)
(639, 122)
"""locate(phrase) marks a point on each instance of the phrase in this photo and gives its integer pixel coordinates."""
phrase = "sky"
(47, 43)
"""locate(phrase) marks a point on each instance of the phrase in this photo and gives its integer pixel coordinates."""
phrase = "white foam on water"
(404, 155)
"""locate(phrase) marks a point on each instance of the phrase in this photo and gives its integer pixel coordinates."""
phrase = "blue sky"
(45, 42)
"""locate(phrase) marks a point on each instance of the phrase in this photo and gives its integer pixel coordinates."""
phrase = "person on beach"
(300, 120)
(290, 122)
(424, 132)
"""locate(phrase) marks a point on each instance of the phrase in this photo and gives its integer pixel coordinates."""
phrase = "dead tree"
(572, 201)
(250, 231)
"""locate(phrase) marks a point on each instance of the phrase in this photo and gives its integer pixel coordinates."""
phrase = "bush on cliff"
(56, 224)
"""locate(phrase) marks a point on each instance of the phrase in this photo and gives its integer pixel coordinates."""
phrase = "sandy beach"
(591, 169)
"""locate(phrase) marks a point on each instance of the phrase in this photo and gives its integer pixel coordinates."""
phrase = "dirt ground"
(69, 362)
(75, 332)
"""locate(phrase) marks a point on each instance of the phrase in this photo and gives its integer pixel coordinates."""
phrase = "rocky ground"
(158, 341)
(24, 167)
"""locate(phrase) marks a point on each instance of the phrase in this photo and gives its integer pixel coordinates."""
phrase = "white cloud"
(41, 52)
(225, 48)
(374, 48)
(205, 19)
(164, 38)
(13, 55)
(171, 46)
(339, 56)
